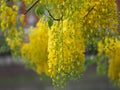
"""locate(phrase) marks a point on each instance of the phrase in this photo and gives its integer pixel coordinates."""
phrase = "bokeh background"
(15, 76)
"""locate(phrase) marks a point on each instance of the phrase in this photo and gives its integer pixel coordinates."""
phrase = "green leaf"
(50, 22)
(39, 10)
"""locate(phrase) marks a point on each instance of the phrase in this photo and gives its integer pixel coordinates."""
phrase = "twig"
(31, 7)
(55, 19)
(89, 11)
(8, 0)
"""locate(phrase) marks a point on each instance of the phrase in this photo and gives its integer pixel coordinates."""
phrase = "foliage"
(65, 32)
(4, 48)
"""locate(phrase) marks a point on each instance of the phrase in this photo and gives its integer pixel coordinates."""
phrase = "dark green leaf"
(39, 10)
(50, 22)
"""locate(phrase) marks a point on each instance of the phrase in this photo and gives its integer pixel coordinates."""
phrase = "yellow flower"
(38, 44)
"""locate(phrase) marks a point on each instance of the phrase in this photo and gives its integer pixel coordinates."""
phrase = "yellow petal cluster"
(114, 63)
(66, 52)
(9, 20)
(111, 49)
(36, 50)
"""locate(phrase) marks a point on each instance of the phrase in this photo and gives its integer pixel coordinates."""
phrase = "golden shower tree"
(67, 28)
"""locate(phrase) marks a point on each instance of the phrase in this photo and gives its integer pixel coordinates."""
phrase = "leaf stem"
(55, 19)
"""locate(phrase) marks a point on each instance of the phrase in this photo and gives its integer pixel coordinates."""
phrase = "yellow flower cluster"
(8, 15)
(111, 49)
(107, 46)
(82, 20)
(100, 18)
(114, 67)
(58, 51)
(9, 20)
(66, 52)
(36, 50)
(113, 53)
(52, 45)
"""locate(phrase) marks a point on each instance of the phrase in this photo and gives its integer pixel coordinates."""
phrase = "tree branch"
(8, 0)
(55, 19)
(89, 11)
(31, 7)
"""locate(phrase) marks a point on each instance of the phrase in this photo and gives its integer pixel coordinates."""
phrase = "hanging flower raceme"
(100, 18)
(66, 52)
(9, 24)
(113, 53)
(111, 50)
(35, 52)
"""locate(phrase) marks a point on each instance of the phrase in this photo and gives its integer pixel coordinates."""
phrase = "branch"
(55, 19)
(31, 7)
(89, 11)
(8, 0)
